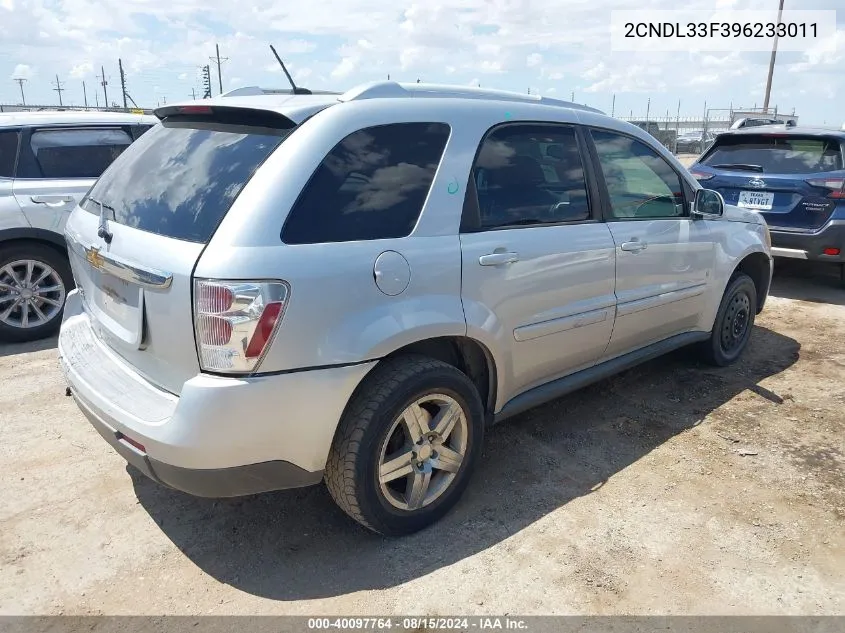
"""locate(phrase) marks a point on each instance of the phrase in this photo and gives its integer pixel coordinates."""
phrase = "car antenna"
(296, 90)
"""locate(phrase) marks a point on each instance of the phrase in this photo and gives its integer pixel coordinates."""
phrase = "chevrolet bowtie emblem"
(94, 258)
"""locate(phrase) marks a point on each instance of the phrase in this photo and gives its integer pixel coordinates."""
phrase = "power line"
(58, 89)
(20, 81)
(219, 60)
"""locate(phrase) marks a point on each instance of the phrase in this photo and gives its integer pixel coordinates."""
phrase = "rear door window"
(8, 152)
(77, 153)
(181, 177)
(528, 174)
(770, 154)
(372, 185)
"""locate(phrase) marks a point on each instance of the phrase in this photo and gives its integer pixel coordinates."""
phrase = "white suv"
(48, 160)
(274, 290)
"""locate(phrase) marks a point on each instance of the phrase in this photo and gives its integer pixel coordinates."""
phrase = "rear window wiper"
(740, 166)
(102, 205)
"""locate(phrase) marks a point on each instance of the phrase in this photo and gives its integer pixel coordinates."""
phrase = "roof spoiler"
(218, 113)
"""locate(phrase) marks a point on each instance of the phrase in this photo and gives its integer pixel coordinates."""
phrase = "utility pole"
(572, 97)
(59, 89)
(206, 81)
(104, 82)
(85, 95)
(677, 127)
(20, 81)
(219, 60)
(193, 94)
(772, 63)
(97, 99)
(122, 82)
(613, 105)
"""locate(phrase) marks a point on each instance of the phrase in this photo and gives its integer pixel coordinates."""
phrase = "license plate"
(762, 200)
(119, 307)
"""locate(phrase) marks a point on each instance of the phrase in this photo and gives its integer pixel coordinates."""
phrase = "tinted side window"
(138, 130)
(640, 183)
(77, 153)
(529, 174)
(8, 152)
(371, 186)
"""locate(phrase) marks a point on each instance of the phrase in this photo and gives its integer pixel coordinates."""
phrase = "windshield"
(180, 178)
(777, 154)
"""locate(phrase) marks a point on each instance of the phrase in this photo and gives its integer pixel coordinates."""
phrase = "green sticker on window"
(453, 186)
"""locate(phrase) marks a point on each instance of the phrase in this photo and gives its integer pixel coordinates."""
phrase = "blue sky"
(553, 47)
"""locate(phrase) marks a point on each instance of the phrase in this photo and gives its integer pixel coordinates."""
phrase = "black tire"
(734, 322)
(352, 468)
(51, 257)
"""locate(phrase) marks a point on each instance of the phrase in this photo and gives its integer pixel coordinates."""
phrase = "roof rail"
(396, 90)
(251, 91)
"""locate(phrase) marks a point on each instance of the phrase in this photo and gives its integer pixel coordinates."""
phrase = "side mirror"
(708, 204)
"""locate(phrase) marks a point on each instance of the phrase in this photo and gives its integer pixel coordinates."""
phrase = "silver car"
(276, 290)
(48, 161)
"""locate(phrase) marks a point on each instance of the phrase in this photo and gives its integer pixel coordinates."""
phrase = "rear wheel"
(406, 447)
(734, 322)
(34, 282)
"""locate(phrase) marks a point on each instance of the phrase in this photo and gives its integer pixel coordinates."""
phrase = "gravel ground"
(674, 488)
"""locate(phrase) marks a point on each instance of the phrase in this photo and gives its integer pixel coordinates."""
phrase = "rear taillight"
(836, 186)
(236, 321)
(701, 175)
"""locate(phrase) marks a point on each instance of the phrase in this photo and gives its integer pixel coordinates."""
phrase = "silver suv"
(48, 160)
(275, 290)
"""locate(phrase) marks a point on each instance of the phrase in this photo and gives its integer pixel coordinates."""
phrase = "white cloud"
(345, 68)
(22, 71)
(510, 44)
(302, 73)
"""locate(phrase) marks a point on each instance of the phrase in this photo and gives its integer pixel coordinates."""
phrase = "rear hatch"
(137, 235)
(793, 180)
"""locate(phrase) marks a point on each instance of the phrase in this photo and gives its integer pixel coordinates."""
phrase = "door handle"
(497, 259)
(51, 200)
(634, 246)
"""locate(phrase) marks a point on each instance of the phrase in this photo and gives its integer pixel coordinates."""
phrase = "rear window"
(372, 185)
(777, 154)
(77, 153)
(181, 177)
(8, 152)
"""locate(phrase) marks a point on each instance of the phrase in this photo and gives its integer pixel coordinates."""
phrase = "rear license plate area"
(119, 307)
(756, 200)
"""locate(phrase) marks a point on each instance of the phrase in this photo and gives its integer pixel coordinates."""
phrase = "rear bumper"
(811, 246)
(209, 482)
(220, 437)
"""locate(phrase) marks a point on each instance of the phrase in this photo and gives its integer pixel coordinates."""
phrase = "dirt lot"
(673, 488)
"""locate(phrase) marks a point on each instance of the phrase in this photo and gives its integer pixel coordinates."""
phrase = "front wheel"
(734, 322)
(406, 446)
(34, 281)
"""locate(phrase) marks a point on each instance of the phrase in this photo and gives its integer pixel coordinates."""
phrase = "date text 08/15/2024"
(417, 623)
